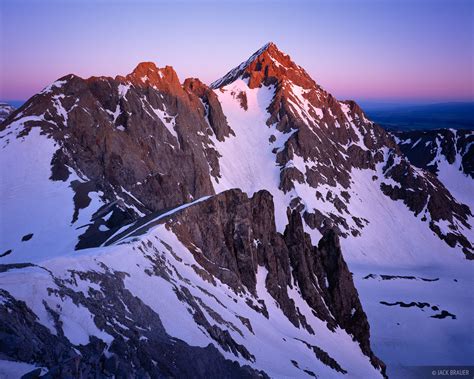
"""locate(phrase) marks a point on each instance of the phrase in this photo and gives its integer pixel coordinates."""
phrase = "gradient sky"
(412, 50)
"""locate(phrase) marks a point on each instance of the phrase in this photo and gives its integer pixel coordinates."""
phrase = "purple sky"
(398, 50)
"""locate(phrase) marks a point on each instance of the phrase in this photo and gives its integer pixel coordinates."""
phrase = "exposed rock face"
(326, 283)
(343, 297)
(142, 142)
(235, 235)
(231, 235)
(214, 113)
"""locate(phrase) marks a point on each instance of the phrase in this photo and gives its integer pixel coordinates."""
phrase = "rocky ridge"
(232, 238)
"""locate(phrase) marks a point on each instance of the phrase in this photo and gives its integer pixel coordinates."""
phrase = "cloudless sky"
(384, 50)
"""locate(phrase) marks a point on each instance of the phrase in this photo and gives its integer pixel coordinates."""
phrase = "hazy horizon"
(364, 103)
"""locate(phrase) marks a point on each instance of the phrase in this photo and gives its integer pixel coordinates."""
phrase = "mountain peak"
(269, 46)
(148, 73)
(270, 50)
(145, 67)
(266, 66)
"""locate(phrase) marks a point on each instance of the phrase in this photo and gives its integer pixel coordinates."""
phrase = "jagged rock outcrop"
(214, 113)
(231, 237)
(343, 299)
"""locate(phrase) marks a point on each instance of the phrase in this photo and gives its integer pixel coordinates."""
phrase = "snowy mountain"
(148, 220)
(448, 153)
(5, 110)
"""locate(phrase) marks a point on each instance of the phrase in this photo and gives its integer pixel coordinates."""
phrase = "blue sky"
(399, 50)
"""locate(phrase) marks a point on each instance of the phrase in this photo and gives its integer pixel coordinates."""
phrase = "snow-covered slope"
(246, 159)
(39, 217)
(419, 316)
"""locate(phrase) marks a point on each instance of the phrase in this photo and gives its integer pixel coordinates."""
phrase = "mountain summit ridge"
(265, 66)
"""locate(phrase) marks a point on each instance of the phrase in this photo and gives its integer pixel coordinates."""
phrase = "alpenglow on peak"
(267, 64)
